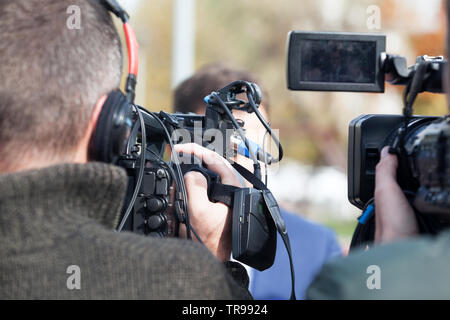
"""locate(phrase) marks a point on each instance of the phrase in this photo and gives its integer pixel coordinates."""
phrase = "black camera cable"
(182, 200)
(268, 130)
(413, 88)
(256, 179)
(256, 165)
(276, 216)
(364, 234)
(141, 170)
(265, 156)
(160, 161)
(365, 229)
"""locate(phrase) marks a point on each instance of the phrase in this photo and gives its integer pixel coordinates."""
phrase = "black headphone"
(110, 137)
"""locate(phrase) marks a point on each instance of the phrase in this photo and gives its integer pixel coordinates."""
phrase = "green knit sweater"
(57, 242)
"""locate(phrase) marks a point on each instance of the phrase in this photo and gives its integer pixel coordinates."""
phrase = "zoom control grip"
(192, 163)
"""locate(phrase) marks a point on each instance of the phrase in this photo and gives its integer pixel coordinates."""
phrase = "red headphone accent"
(132, 47)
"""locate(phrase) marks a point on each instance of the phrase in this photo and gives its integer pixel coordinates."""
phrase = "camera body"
(432, 167)
(420, 165)
(160, 204)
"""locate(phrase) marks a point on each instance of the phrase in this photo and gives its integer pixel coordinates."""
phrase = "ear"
(446, 84)
(82, 149)
(96, 113)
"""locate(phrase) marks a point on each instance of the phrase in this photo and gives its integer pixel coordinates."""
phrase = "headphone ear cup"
(112, 131)
(256, 93)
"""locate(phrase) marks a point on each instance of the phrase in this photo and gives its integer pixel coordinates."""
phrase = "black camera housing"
(367, 135)
(336, 61)
(253, 230)
(160, 205)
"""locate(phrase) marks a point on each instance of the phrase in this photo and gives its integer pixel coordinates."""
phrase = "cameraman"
(404, 265)
(58, 210)
(312, 244)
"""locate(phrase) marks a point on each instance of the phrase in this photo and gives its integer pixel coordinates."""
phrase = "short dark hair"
(51, 75)
(188, 96)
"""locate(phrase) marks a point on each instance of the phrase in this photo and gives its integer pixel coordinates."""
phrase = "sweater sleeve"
(238, 273)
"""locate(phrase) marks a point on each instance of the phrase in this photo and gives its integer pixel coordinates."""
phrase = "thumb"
(387, 167)
(196, 186)
(384, 152)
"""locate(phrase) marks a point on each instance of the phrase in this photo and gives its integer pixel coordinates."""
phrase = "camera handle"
(256, 248)
(395, 69)
(415, 84)
(274, 211)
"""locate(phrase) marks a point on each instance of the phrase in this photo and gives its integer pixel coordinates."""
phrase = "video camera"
(328, 61)
(157, 200)
(160, 203)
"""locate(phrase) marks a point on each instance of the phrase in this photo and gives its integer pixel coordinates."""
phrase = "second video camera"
(327, 61)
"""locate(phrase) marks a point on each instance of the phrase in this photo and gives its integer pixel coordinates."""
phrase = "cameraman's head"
(188, 97)
(54, 79)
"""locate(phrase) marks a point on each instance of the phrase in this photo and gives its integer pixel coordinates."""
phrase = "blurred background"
(177, 37)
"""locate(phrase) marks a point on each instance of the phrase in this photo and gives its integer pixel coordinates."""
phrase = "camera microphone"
(239, 146)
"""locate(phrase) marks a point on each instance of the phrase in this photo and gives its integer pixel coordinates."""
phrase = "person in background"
(312, 244)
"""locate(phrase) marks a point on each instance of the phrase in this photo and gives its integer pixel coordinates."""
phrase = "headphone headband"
(132, 47)
(116, 118)
(114, 7)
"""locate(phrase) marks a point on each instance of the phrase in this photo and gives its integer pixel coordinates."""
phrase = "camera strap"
(274, 210)
(271, 203)
(225, 194)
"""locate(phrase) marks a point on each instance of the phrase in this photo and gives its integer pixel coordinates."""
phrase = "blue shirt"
(312, 245)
